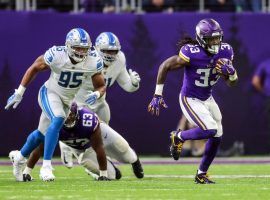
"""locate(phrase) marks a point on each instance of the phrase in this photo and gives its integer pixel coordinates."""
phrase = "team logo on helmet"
(108, 46)
(209, 35)
(78, 44)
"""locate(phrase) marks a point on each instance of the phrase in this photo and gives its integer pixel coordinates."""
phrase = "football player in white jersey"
(71, 65)
(114, 60)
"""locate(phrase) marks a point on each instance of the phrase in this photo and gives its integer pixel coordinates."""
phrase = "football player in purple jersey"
(87, 139)
(204, 60)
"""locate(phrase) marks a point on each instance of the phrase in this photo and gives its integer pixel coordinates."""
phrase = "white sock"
(27, 170)
(47, 163)
(103, 173)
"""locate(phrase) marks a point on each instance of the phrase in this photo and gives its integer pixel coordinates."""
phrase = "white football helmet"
(105, 42)
(78, 44)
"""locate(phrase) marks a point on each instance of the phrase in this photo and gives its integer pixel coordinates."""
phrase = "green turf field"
(249, 181)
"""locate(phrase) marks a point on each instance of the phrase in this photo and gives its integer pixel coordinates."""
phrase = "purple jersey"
(200, 76)
(78, 137)
(263, 71)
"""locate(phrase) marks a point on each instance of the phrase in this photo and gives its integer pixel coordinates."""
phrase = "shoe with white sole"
(18, 164)
(46, 174)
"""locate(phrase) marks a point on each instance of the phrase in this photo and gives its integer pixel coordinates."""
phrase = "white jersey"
(115, 72)
(66, 78)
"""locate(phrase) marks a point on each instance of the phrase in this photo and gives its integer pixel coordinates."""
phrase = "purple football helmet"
(209, 35)
(73, 116)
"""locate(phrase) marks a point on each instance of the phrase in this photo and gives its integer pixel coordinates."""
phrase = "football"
(223, 61)
(220, 62)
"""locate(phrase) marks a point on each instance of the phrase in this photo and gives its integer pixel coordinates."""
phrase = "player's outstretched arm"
(100, 89)
(97, 145)
(129, 80)
(172, 63)
(38, 66)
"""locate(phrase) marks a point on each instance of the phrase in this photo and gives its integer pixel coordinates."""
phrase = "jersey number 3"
(70, 79)
(204, 77)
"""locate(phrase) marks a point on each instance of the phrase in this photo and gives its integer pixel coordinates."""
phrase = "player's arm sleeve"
(123, 78)
(99, 66)
(50, 57)
(228, 51)
(185, 53)
(124, 81)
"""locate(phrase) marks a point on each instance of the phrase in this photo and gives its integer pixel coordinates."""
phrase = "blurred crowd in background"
(167, 6)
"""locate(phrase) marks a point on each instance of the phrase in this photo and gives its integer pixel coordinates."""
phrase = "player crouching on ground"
(80, 124)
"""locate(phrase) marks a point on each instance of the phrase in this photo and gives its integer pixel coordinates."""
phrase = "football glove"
(134, 77)
(92, 97)
(225, 67)
(14, 100)
(103, 178)
(155, 104)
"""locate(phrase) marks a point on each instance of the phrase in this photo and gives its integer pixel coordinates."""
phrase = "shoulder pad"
(122, 58)
(227, 51)
(54, 54)
(188, 51)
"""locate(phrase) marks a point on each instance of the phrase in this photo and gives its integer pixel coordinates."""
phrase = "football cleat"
(46, 174)
(118, 174)
(137, 169)
(203, 178)
(18, 165)
(27, 177)
(176, 145)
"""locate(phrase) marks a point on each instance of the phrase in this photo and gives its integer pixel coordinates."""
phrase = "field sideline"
(236, 178)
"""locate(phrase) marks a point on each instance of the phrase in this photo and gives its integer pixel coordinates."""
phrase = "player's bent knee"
(209, 133)
(121, 145)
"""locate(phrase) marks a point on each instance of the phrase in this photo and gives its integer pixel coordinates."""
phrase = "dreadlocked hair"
(186, 40)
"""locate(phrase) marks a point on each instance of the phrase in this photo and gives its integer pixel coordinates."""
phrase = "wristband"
(103, 173)
(21, 90)
(233, 77)
(159, 89)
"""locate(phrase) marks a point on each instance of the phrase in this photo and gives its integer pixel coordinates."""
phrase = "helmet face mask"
(78, 44)
(108, 46)
(73, 117)
(209, 35)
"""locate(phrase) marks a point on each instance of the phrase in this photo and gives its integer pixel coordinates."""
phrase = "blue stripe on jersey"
(99, 65)
(48, 59)
(82, 35)
(51, 51)
(111, 38)
(45, 103)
